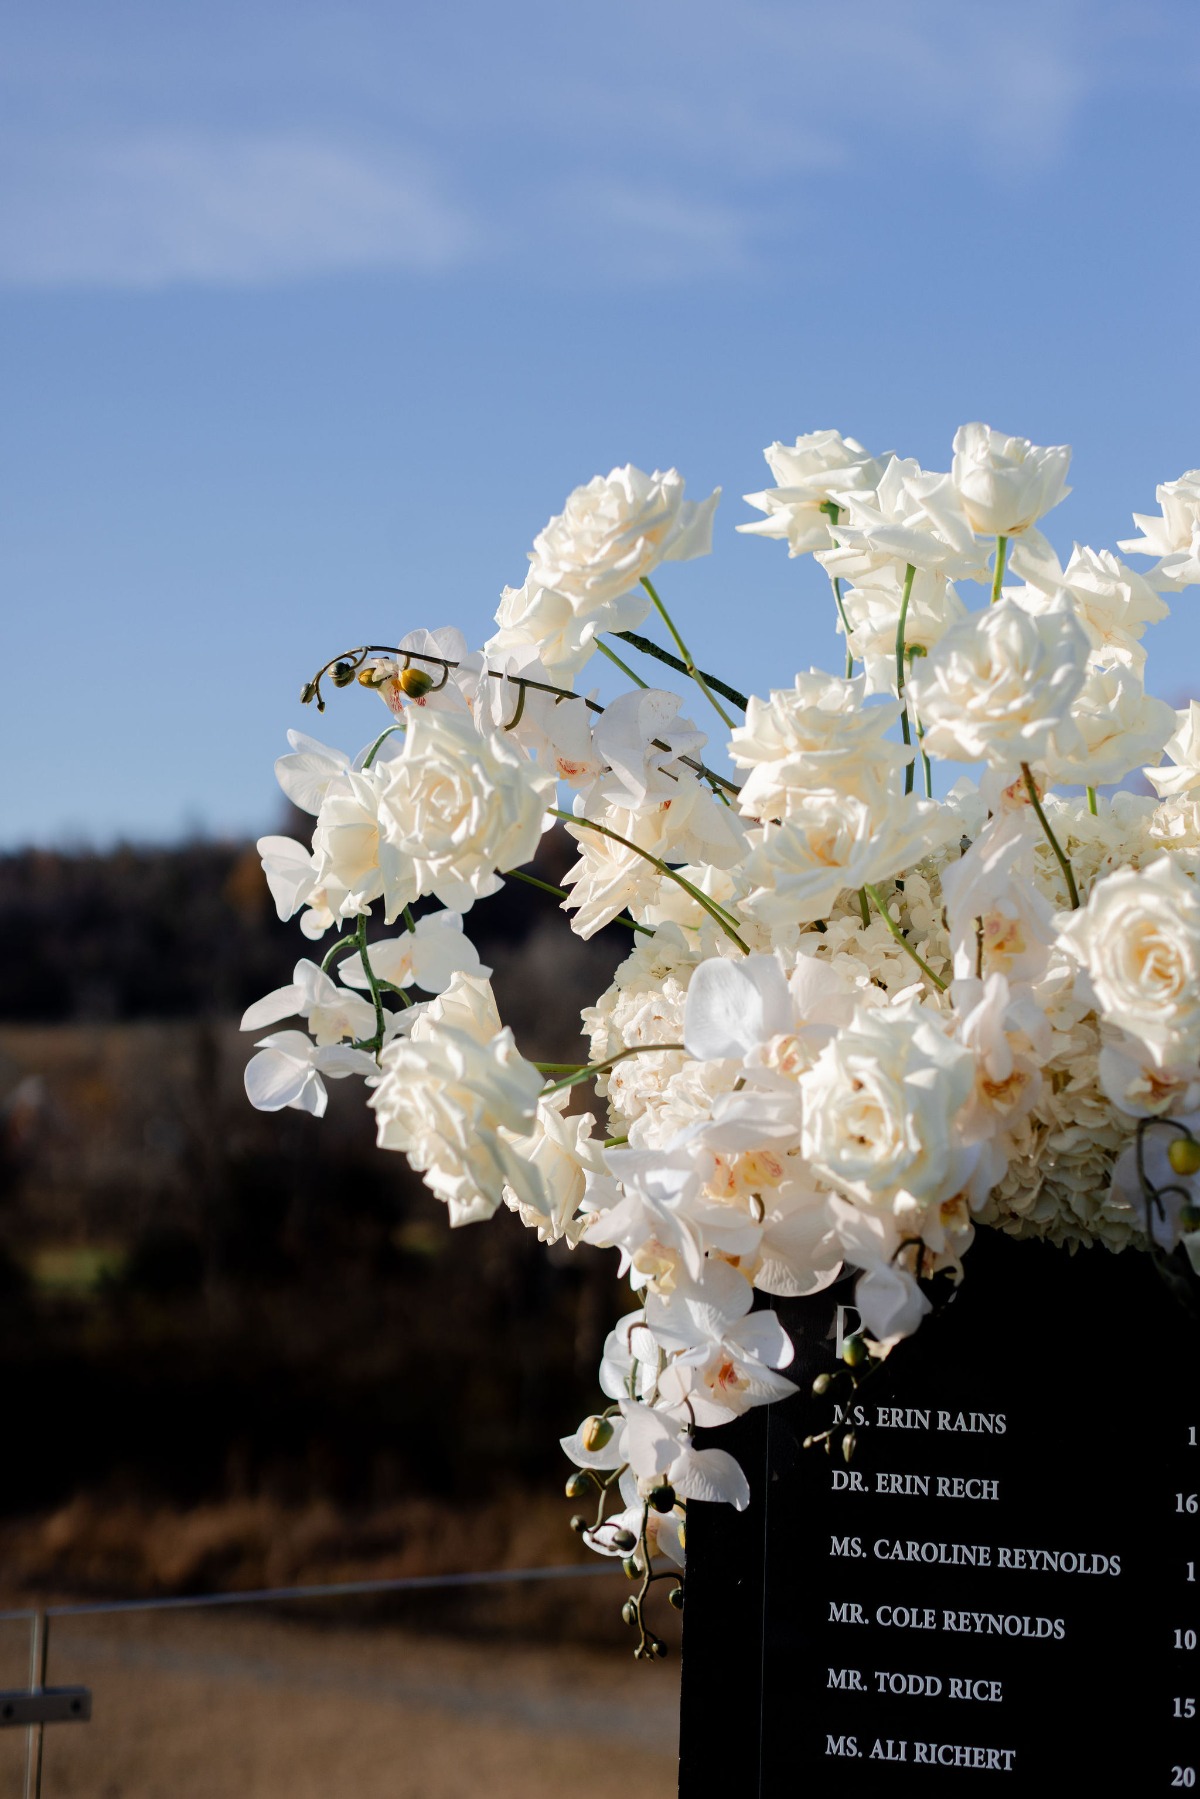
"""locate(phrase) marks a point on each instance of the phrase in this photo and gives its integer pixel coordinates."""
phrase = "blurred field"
(200, 1707)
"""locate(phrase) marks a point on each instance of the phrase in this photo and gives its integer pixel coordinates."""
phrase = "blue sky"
(311, 315)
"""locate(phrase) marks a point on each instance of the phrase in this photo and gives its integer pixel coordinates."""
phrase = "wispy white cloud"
(266, 141)
(222, 209)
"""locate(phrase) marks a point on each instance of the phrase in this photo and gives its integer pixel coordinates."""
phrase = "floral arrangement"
(856, 1019)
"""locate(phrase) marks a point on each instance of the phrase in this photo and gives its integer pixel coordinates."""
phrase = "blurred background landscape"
(243, 1348)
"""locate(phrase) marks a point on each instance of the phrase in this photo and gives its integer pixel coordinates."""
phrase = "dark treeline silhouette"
(200, 1303)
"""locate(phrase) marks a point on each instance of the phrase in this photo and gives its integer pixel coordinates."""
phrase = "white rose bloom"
(352, 864)
(815, 470)
(446, 1096)
(1112, 602)
(1120, 725)
(1183, 747)
(562, 1152)
(880, 1108)
(614, 531)
(874, 614)
(1174, 537)
(1007, 483)
(815, 737)
(800, 868)
(1138, 938)
(609, 876)
(457, 807)
(914, 516)
(999, 687)
(560, 629)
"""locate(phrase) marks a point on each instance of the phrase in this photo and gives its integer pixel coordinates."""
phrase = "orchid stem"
(998, 576)
(623, 666)
(1052, 840)
(909, 577)
(902, 940)
(689, 665)
(833, 513)
(649, 648)
(708, 905)
(1093, 808)
(585, 1071)
(562, 894)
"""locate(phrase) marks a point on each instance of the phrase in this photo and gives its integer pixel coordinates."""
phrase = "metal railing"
(34, 1707)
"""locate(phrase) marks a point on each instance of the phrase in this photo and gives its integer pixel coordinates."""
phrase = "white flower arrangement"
(856, 1021)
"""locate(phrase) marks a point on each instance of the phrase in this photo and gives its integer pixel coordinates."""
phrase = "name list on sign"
(937, 1651)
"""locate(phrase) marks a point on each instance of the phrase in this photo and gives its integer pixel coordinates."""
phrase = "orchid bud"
(675, 1598)
(629, 1612)
(1189, 1218)
(855, 1352)
(579, 1524)
(343, 674)
(624, 1540)
(1184, 1155)
(630, 1568)
(578, 1485)
(595, 1434)
(822, 1384)
(659, 1648)
(368, 677)
(414, 682)
(662, 1497)
(849, 1442)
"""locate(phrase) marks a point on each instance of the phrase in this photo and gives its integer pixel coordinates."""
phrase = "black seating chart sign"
(1000, 1589)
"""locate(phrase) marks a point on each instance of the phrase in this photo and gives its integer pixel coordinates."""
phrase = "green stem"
(582, 1072)
(1052, 840)
(863, 907)
(383, 735)
(623, 666)
(833, 513)
(376, 1043)
(562, 894)
(690, 666)
(902, 940)
(708, 905)
(909, 577)
(342, 943)
(1093, 808)
(998, 576)
(650, 648)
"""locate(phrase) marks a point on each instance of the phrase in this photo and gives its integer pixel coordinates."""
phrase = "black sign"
(999, 1589)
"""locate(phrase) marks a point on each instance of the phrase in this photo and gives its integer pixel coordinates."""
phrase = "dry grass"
(264, 1707)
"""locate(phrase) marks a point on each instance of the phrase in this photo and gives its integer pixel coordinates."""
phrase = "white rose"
(1112, 602)
(1138, 937)
(999, 687)
(880, 1108)
(458, 806)
(802, 866)
(1006, 483)
(813, 471)
(617, 529)
(874, 613)
(352, 864)
(446, 1096)
(1175, 537)
(562, 633)
(562, 1152)
(815, 737)
(914, 516)
(1183, 776)
(1121, 726)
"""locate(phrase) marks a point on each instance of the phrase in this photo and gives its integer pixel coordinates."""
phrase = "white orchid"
(852, 1025)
